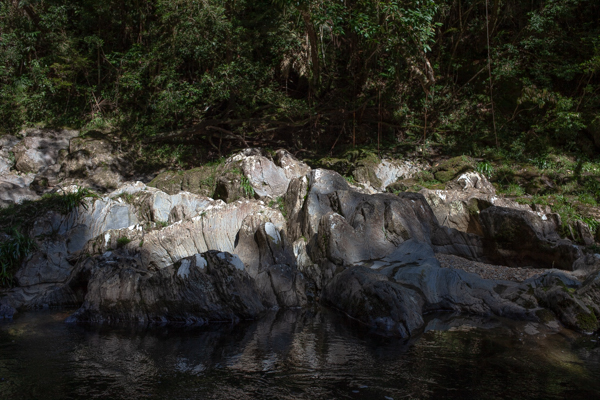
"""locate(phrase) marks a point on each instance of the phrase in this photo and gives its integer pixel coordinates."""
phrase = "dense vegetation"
(316, 75)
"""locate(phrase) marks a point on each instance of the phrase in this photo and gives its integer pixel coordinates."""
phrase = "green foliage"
(321, 76)
(246, 186)
(485, 168)
(12, 252)
(350, 179)
(123, 241)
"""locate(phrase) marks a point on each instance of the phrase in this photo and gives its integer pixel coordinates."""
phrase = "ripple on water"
(294, 355)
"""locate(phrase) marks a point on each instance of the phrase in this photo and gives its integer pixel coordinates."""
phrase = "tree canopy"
(327, 74)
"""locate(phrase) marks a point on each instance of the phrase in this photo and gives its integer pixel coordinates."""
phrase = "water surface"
(294, 355)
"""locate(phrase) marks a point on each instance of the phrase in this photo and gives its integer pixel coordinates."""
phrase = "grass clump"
(246, 186)
(123, 241)
(22, 216)
(12, 252)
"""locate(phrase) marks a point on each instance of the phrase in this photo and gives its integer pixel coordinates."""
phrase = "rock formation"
(273, 233)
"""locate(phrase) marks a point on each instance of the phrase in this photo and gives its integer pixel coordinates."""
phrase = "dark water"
(294, 355)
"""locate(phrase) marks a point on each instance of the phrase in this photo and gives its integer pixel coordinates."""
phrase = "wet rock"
(374, 300)
(574, 304)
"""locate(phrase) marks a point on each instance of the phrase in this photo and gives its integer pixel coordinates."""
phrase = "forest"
(487, 78)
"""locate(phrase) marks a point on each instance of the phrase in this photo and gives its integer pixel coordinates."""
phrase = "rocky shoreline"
(266, 231)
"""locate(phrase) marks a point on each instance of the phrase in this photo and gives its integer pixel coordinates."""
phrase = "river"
(316, 354)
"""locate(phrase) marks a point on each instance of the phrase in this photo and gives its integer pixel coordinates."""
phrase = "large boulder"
(379, 174)
(449, 169)
(252, 173)
(98, 224)
(393, 296)
(521, 238)
(459, 205)
(342, 226)
(94, 162)
(212, 286)
(292, 167)
(40, 149)
(575, 304)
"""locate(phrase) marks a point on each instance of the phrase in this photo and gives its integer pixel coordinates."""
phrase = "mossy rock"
(364, 170)
(339, 165)
(545, 316)
(201, 180)
(169, 182)
(451, 168)
(404, 185)
(587, 321)
(229, 187)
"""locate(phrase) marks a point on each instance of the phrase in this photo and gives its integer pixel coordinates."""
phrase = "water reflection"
(293, 355)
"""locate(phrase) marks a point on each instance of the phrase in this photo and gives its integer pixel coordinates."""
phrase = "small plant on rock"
(12, 252)
(246, 186)
(123, 241)
(485, 168)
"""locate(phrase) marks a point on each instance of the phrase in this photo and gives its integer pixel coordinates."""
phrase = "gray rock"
(465, 197)
(378, 176)
(40, 149)
(15, 188)
(229, 188)
(93, 162)
(212, 286)
(575, 304)
(521, 238)
(292, 167)
(584, 233)
(267, 179)
(586, 264)
(6, 311)
(394, 298)
(7, 157)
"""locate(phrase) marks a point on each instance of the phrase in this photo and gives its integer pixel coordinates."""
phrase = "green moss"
(545, 316)
(449, 169)
(339, 165)
(587, 321)
(123, 241)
